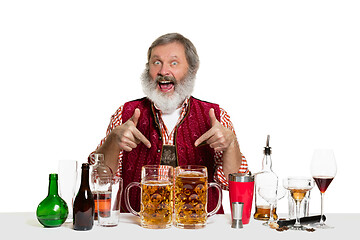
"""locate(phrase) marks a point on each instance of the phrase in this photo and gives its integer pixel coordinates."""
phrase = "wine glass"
(323, 170)
(67, 183)
(271, 193)
(298, 187)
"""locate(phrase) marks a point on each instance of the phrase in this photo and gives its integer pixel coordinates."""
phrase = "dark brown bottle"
(84, 203)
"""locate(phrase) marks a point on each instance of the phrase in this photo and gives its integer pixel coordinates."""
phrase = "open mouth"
(166, 85)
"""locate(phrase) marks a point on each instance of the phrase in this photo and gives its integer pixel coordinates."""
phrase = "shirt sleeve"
(115, 120)
(219, 176)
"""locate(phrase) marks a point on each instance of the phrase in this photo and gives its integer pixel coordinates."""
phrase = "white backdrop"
(285, 68)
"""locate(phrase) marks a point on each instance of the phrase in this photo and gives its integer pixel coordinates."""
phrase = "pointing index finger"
(203, 138)
(141, 138)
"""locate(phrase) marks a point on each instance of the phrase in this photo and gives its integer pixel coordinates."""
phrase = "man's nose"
(164, 70)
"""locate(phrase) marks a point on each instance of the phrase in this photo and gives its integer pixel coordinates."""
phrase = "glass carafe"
(265, 177)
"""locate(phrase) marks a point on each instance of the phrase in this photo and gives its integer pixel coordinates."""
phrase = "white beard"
(166, 102)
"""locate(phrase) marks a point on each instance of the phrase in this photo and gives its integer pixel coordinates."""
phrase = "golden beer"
(156, 198)
(191, 199)
(156, 204)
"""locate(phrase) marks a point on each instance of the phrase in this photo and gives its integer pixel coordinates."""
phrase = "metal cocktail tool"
(237, 209)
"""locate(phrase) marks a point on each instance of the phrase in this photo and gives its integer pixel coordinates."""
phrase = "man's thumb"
(135, 116)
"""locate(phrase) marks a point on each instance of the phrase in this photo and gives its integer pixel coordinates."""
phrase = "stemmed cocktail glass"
(298, 188)
(323, 170)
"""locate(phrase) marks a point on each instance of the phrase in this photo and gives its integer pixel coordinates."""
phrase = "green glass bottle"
(53, 210)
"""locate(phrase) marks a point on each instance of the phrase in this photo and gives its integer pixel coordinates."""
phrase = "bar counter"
(25, 225)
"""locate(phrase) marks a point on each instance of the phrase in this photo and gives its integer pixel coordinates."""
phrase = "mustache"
(161, 78)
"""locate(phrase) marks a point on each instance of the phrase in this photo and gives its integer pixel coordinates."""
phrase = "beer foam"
(192, 174)
(157, 183)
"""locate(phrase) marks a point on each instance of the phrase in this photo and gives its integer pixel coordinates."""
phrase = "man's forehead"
(173, 50)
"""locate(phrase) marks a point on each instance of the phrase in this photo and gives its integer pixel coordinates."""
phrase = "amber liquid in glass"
(104, 204)
(95, 193)
(156, 204)
(263, 213)
(190, 199)
(298, 194)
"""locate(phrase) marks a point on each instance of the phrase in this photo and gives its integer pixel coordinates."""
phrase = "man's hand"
(128, 136)
(218, 137)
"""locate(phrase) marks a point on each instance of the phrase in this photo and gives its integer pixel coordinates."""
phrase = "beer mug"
(191, 196)
(156, 199)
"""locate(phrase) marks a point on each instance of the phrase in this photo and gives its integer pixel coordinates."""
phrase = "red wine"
(323, 182)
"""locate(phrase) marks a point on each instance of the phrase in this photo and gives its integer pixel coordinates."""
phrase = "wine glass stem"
(322, 209)
(271, 218)
(297, 222)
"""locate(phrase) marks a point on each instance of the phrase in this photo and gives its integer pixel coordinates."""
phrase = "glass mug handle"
(126, 196)
(217, 186)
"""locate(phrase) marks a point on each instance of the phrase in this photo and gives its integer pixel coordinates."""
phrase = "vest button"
(158, 150)
(160, 138)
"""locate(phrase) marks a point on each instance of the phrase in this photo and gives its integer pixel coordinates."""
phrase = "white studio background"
(285, 68)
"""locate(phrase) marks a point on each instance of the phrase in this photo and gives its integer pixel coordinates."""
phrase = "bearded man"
(169, 126)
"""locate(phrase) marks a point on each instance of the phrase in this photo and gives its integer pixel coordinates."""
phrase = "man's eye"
(174, 63)
(157, 63)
